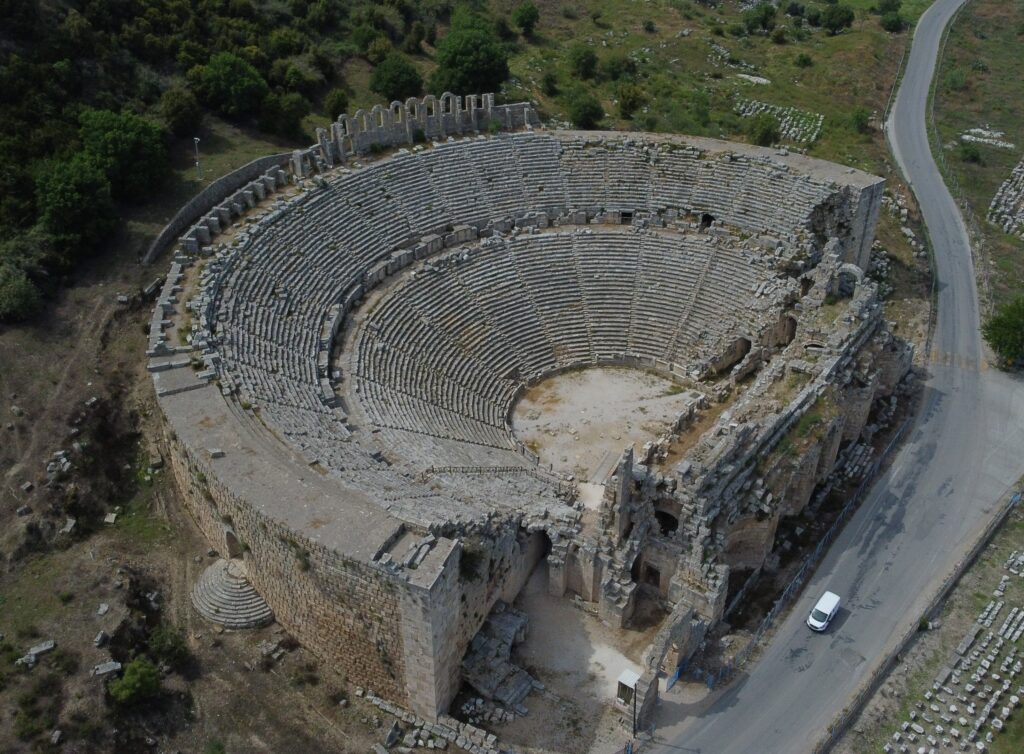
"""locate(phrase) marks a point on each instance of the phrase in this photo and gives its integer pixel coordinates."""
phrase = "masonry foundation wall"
(347, 613)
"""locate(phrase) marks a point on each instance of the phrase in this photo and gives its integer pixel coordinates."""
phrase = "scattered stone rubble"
(1007, 207)
(794, 124)
(986, 136)
(425, 734)
(980, 688)
(486, 666)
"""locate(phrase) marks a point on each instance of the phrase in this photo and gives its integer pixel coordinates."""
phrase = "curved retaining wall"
(209, 198)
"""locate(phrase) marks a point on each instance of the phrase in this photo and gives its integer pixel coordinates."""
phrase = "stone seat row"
(528, 291)
(301, 258)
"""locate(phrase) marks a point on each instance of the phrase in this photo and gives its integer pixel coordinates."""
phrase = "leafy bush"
(803, 60)
(631, 99)
(582, 61)
(584, 110)
(19, 298)
(335, 103)
(549, 83)
(378, 49)
(779, 36)
(837, 17)
(795, 9)
(526, 17)
(763, 129)
(181, 111)
(888, 6)
(470, 59)
(813, 17)
(1004, 331)
(230, 85)
(617, 66)
(969, 152)
(167, 645)
(761, 16)
(860, 119)
(892, 22)
(129, 148)
(396, 78)
(140, 682)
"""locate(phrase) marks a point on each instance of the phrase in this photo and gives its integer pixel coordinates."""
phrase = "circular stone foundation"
(579, 422)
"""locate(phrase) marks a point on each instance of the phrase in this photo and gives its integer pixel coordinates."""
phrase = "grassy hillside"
(979, 85)
(101, 99)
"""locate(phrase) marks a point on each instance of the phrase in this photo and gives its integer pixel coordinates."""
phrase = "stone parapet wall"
(429, 118)
(215, 194)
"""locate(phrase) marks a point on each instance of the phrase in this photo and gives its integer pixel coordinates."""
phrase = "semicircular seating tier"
(447, 349)
(440, 360)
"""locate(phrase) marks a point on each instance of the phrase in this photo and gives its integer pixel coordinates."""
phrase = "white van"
(823, 612)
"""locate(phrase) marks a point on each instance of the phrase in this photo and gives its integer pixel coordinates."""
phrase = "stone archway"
(232, 545)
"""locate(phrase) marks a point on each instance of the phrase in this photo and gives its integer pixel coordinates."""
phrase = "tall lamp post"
(199, 170)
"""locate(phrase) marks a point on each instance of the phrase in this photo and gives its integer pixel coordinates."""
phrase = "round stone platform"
(223, 595)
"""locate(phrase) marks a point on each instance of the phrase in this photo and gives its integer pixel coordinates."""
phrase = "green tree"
(470, 59)
(129, 148)
(181, 111)
(889, 6)
(335, 103)
(526, 17)
(19, 297)
(584, 109)
(837, 17)
(231, 86)
(763, 129)
(396, 78)
(285, 41)
(140, 682)
(582, 61)
(74, 201)
(1004, 331)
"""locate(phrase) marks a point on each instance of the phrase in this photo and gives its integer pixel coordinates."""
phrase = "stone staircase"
(223, 595)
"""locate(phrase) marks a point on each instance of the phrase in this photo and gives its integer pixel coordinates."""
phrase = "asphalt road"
(965, 448)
